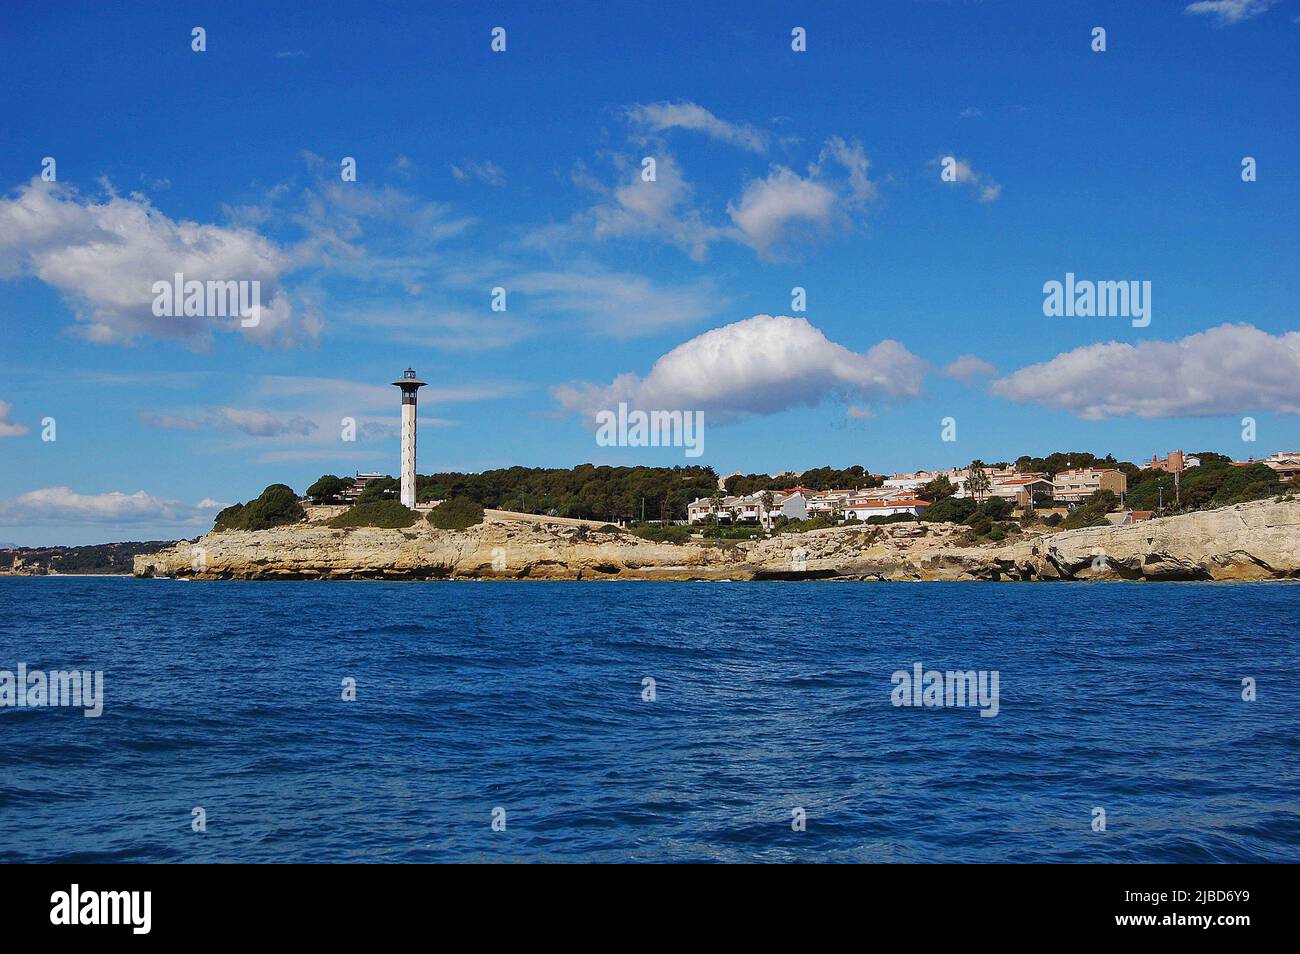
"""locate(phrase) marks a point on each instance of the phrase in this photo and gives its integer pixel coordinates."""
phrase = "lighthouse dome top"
(408, 380)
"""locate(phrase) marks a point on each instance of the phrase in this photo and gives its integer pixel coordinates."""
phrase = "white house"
(885, 508)
(749, 508)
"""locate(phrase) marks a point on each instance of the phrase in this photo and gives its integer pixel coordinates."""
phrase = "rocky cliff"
(1259, 540)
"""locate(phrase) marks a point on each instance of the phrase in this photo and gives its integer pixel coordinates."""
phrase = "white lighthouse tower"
(409, 385)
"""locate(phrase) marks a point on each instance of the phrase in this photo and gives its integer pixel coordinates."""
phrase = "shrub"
(277, 506)
(456, 513)
(608, 528)
(802, 526)
(950, 510)
(1092, 512)
(387, 514)
(663, 534)
(892, 518)
(381, 488)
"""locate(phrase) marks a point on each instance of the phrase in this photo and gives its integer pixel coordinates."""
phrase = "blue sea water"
(769, 697)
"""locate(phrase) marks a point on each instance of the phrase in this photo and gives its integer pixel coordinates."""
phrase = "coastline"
(1245, 542)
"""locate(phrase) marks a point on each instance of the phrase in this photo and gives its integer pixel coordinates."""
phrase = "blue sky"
(522, 170)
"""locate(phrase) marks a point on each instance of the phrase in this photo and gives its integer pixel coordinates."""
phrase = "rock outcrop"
(1253, 541)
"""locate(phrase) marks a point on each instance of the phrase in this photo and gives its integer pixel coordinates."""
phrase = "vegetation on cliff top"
(1213, 484)
(277, 506)
(456, 513)
(386, 514)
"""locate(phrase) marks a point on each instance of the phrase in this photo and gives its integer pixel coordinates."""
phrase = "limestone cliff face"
(490, 550)
(1253, 541)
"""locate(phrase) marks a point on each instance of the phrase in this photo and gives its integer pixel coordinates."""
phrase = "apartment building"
(1071, 486)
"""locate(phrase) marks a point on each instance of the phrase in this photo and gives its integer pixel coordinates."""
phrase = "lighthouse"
(409, 385)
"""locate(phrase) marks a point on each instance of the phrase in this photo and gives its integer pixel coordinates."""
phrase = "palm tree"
(766, 500)
(978, 483)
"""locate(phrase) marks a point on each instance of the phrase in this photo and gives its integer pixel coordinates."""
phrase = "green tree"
(276, 506)
(382, 488)
(938, 489)
(328, 488)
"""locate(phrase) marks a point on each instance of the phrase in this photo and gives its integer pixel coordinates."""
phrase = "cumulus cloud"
(658, 117)
(769, 206)
(968, 367)
(777, 212)
(7, 427)
(661, 208)
(761, 365)
(63, 505)
(1229, 12)
(773, 214)
(105, 256)
(985, 189)
(1225, 370)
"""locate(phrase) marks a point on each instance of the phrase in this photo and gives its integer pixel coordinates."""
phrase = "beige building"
(1072, 486)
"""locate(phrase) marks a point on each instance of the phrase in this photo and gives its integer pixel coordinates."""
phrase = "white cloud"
(422, 325)
(854, 159)
(986, 190)
(761, 365)
(775, 214)
(772, 214)
(1226, 370)
(104, 258)
(9, 428)
(768, 208)
(617, 304)
(1230, 11)
(968, 367)
(362, 396)
(254, 423)
(971, 112)
(661, 208)
(62, 505)
(658, 117)
(485, 171)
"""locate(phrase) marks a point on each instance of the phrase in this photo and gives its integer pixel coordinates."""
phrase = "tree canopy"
(276, 506)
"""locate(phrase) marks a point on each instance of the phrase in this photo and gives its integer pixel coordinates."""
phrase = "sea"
(655, 722)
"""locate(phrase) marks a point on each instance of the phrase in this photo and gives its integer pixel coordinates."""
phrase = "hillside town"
(905, 494)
